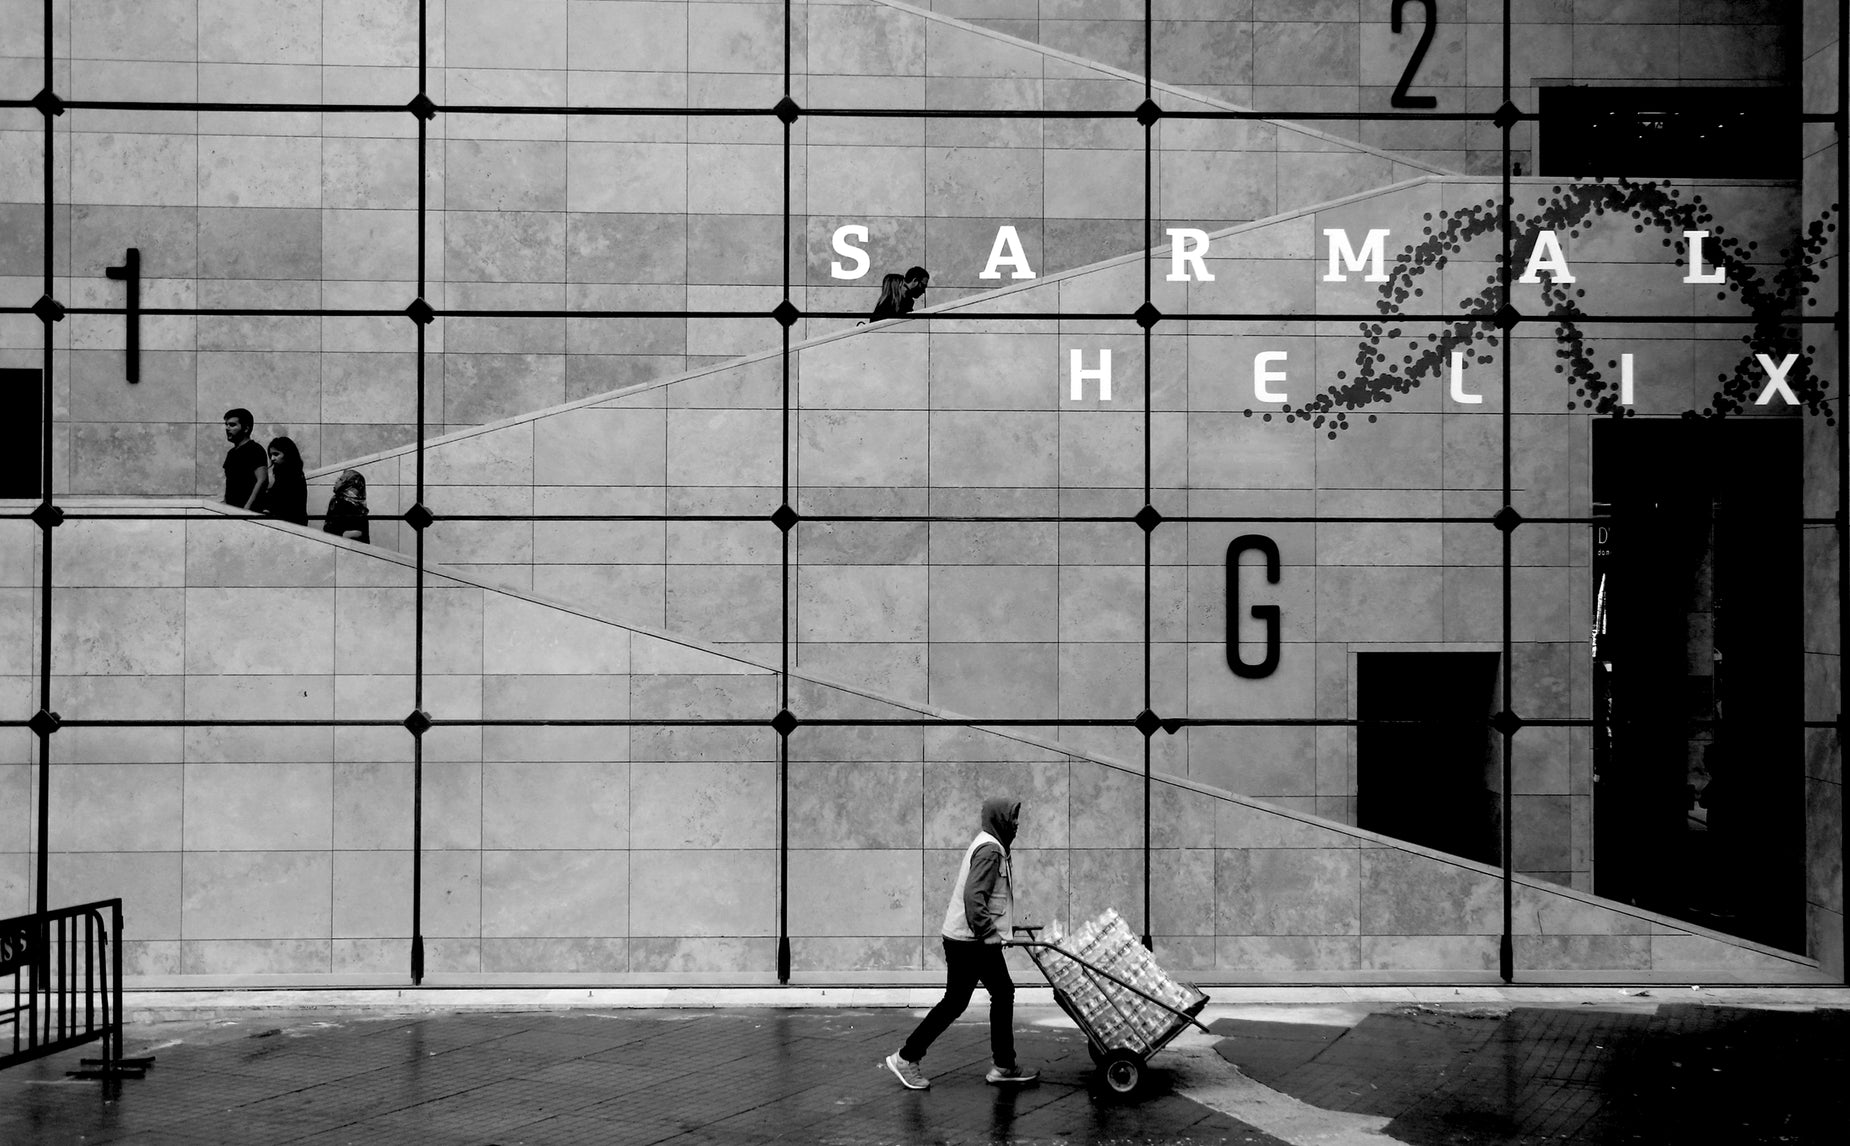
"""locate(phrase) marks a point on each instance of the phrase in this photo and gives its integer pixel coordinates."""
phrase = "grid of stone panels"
(1146, 720)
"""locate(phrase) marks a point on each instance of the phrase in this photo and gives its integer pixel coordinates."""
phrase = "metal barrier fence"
(66, 971)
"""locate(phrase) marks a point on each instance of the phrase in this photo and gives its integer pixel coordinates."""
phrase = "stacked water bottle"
(1119, 1017)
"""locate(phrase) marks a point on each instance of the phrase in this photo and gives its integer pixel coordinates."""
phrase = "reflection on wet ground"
(626, 1079)
(1422, 1075)
(1676, 1074)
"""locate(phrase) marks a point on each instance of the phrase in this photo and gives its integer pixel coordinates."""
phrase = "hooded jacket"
(984, 890)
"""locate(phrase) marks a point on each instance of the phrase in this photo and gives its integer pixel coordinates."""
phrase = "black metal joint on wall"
(130, 273)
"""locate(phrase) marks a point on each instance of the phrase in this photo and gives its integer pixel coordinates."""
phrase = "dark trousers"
(967, 963)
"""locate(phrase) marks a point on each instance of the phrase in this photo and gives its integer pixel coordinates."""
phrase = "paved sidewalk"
(1611, 1067)
(626, 1079)
(1679, 1073)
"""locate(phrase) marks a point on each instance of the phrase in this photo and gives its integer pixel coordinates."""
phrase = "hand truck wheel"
(1123, 1071)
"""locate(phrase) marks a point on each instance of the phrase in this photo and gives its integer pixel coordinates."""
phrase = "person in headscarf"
(975, 925)
(347, 508)
(286, 496)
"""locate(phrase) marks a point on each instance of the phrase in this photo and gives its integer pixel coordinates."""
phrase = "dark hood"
(1001, 816)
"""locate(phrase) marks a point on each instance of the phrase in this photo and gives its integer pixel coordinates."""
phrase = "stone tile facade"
(1344, 56)
(945, 416)
(951, 416)
(642, 212)
(281, 854)
(1824, 799)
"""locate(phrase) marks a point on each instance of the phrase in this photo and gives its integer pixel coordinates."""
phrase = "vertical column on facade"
(1842, 328)
(786, 315)
(418, 517)
(47, 516)
(1506, 954)
(1149, 128)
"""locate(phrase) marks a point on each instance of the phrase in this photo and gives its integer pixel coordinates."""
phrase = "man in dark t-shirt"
(247, 466)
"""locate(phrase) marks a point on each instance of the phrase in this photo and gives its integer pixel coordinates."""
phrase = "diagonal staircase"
(884, 422)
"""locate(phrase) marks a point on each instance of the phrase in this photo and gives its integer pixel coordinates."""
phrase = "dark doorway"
(1698, 796)
(21, 433)
(1432, 777)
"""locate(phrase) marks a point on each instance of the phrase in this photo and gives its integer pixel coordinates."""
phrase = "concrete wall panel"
(303, 210)
(296, 866)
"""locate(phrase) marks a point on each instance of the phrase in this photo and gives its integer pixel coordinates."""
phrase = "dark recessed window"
(1656, 133)
(20, 435)
(1430, 772)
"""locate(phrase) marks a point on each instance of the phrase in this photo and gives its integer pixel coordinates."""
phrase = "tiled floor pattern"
(1683, 1074)
(631, 1079)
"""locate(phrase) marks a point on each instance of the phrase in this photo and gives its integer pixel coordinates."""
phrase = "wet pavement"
(1420, 1074)
(625, 1079)
(1677, 1074)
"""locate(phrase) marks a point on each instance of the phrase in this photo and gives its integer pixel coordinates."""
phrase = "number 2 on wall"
(1400, 97)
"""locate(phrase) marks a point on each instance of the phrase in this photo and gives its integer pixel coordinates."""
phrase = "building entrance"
(1698, 796)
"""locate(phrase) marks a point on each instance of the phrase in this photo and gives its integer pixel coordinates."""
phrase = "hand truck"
(1121, 1063)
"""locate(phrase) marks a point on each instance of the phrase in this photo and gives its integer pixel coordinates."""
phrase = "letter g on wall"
(1268, 614)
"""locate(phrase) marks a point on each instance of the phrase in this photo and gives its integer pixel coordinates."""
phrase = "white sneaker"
(908, 1072)
(1010, 1074)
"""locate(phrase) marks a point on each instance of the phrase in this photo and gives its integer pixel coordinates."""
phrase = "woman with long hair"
(347, 508)
(894, 301)
(286, 496)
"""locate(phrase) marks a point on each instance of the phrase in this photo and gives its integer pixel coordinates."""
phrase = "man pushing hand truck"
(1123, 1003)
